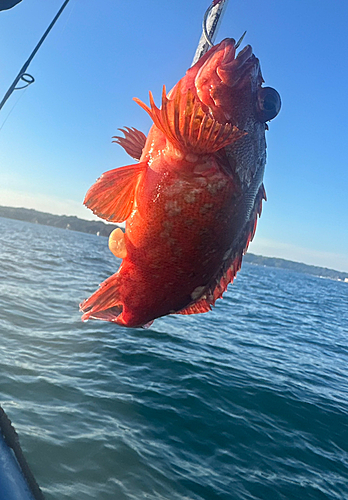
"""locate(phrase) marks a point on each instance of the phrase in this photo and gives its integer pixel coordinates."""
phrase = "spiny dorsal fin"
(187, 126)
(112, 196)
(133, 141)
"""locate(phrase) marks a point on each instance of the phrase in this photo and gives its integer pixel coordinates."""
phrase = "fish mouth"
(220, 63)
(236, 71)
(220, 71)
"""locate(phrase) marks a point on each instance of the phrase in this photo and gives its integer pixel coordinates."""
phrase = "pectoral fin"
(133, 141)
(113, 195)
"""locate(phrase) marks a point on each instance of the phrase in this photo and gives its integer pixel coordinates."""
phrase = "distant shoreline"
(62, 221)
(299, 267)
(100, 228)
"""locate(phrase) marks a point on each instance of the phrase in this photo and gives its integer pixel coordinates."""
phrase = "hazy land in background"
(101, 228)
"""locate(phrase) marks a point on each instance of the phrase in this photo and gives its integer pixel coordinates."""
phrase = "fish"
(191, 201)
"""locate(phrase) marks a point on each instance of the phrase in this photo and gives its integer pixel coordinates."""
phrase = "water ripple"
(246, 402)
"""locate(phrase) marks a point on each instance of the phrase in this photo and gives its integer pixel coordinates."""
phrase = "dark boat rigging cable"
(22, 75)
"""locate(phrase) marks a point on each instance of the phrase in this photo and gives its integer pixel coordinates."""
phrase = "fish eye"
(268, 104)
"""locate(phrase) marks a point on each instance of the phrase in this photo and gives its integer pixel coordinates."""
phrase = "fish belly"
(189, 232)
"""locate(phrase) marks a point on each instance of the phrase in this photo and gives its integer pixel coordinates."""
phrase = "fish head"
(219, 108)
(230, 85)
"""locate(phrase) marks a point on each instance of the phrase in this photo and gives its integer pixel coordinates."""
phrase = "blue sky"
(57, 138)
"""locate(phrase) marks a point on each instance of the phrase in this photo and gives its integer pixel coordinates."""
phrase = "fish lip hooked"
(225, 67)
(243, 67)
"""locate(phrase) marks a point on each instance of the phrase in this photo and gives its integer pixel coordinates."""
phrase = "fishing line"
(68, 17)
(15, 104)
(22, 72)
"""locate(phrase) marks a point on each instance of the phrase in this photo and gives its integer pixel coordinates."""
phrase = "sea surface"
(249, 401)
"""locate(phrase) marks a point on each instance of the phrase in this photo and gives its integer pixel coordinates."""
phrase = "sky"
(55, 136)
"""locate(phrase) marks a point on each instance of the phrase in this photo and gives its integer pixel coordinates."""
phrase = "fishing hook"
(240, 40)
(211, 22)
(207, 37)
(204, 26)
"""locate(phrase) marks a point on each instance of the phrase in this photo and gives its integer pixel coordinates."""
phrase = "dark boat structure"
(16, 479)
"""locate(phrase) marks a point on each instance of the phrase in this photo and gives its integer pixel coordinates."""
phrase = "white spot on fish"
(201, 167)
(172, 208)
(201, 181)
(214, 187)
(191, 157)
(190, 197)
(178, 154)
(227, 254)
(197, 292)
(204, 209)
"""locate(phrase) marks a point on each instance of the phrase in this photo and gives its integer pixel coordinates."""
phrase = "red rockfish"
(191, 202)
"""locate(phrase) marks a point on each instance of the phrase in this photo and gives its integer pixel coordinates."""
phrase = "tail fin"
(105, 303)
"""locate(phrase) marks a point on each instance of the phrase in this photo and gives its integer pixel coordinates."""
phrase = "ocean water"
(247, 402)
